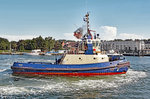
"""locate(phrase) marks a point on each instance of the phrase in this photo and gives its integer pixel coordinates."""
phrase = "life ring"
(85, 47)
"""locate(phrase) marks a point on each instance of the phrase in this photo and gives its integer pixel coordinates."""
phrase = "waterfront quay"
(11, 53)
(127, 47)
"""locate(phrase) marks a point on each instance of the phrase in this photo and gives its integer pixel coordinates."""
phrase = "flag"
(78, 33)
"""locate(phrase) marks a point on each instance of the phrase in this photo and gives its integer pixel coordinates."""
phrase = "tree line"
(45, 44)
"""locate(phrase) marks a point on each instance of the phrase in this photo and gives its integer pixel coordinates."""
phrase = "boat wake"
(2, 70)
(112, 82)
(33, 86)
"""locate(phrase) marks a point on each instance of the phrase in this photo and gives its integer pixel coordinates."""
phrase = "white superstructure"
(84, 59)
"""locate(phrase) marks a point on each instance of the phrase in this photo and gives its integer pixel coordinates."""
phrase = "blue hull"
(41, 68)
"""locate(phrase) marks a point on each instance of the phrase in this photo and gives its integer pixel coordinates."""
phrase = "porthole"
(94, 58)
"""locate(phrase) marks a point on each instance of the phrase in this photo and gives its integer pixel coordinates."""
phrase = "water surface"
(134, 84)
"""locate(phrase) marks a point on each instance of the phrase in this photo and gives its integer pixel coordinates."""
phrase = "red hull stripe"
(69, 74)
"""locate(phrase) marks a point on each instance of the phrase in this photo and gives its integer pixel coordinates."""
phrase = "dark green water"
(133, 85)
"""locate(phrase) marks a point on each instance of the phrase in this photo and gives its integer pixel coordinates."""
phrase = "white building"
(123, 46)
(146, 51)
(147, 45)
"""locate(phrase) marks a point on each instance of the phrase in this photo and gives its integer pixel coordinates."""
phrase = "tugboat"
(90, 61)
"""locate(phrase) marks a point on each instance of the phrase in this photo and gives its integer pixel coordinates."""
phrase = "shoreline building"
(134, 47)
(126, 47)
(146, 51)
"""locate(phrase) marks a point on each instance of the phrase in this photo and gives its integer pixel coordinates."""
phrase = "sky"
(112, 19)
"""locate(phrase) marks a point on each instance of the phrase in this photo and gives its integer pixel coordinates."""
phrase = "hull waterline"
(66, 74)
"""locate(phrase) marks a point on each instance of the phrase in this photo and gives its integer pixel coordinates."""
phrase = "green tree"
(39, 43)
(128, 40)
(29, 45)
(49, 43)
(4, 44)
(13, 45)
(21, 44)
(118, 40)
(58, 46)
